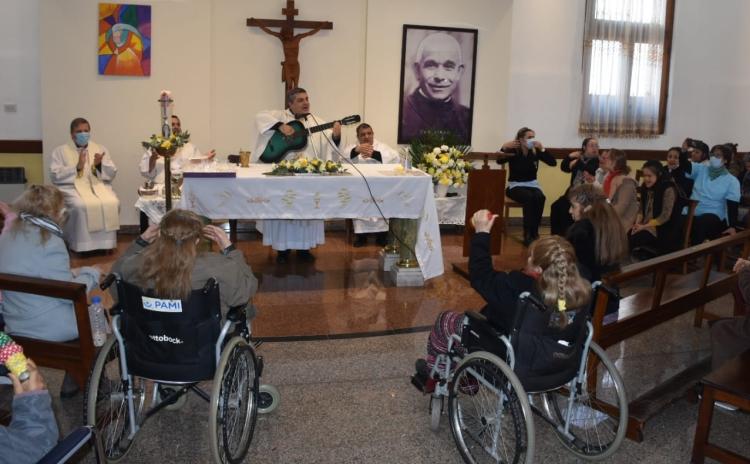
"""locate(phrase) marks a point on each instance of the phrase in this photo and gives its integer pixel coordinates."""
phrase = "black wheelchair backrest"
(170, 338)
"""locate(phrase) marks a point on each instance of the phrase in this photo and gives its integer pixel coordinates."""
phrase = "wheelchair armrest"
(107, 282)
(68, 446)
(209, 284)
(613, 292)
(475, 316)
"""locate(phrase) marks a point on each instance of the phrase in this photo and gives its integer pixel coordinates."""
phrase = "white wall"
(708, 82)
(19, 70)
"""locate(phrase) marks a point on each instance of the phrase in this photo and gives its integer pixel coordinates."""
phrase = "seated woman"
(597, 235)
(718, 196)
(165, 258)
(677, 160)
(33, 246)
(659, 218)
(620, 189)
(577, 164)
(550, 273)
(523, 186)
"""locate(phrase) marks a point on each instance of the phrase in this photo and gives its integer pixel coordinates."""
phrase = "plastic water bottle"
(98, 321)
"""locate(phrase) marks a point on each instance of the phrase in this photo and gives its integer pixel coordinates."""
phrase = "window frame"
(665, 65)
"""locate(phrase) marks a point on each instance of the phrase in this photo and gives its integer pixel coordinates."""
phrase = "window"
(626, 67)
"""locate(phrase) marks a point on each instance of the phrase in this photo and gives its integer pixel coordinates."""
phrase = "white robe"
(85, 233)
(181, 157)
(389, 156)
(293, 234)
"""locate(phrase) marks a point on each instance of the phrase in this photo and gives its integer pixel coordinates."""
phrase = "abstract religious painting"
(437, 81)
(124, 39)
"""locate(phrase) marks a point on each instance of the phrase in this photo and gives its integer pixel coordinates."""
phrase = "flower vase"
(441, 190)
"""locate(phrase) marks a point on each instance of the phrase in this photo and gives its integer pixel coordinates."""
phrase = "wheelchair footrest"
(423, 383)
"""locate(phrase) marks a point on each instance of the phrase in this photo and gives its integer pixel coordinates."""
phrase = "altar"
(254, 195)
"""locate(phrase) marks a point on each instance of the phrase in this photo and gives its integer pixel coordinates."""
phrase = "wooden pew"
(75, 356)
(670, 296)
(730, 383)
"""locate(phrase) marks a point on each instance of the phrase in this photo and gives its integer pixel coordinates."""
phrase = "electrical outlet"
(10, 108)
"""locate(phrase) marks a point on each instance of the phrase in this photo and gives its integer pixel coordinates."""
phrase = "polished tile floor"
(348, 398)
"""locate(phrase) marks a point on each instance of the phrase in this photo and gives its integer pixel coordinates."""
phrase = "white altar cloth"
(252, 195)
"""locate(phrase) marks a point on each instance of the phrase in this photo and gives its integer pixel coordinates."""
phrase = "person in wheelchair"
(165, 258)
(550, 274)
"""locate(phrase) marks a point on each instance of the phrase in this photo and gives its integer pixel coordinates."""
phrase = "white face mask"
(715, 162)
(529, 143)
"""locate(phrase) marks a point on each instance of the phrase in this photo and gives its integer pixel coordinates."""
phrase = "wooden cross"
(290, 68)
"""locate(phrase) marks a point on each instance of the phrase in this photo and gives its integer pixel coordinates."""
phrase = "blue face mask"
(530, 143)
(715, 162)
(82, 138)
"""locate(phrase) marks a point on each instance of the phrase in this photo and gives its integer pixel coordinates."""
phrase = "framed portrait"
(437, 81)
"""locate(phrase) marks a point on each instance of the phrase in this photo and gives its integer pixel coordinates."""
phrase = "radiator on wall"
(12, 183)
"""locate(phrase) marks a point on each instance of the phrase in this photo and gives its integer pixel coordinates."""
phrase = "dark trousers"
(643, 239)
(706, 227)
(532, 200)
(560, 218)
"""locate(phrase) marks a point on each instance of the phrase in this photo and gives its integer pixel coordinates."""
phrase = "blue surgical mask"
(529, 143)
(82, 138)
(715, 162)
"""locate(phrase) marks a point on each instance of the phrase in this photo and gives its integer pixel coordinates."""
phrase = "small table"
(730, 384)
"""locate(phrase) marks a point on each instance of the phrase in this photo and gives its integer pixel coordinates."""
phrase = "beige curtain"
(623, 51)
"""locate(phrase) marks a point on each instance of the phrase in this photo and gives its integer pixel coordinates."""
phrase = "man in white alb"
(369, 150)
(294, 234)
(152, 165)
(83, 170)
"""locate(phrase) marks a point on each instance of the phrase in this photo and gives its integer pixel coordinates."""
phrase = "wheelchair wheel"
(106, 405)
(489, 412)
(268, 398)
(436, 410)
(234, 402)
(594, 433)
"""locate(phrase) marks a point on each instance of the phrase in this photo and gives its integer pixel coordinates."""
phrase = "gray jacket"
(237, 284)
(33, 430)
(23, 253)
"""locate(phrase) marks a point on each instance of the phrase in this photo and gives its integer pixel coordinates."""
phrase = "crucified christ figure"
(290, 68)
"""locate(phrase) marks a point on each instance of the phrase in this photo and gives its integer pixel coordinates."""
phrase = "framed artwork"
(437, 81)
(124, 39)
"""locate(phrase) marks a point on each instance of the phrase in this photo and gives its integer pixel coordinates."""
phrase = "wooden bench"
(75, 356)
(729, 384)
(670, 296)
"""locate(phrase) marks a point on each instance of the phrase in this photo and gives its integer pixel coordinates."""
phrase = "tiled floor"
(349, 399)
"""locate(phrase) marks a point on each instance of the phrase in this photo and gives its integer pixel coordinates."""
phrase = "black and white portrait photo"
(437, 81)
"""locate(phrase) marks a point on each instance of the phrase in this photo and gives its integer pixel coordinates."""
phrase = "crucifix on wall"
(290, 68)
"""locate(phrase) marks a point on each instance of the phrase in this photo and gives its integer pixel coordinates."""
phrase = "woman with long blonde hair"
(166, 258)
(550, 273)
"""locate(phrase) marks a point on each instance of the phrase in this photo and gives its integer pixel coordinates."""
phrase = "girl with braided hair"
(165, 258)
(551, 274)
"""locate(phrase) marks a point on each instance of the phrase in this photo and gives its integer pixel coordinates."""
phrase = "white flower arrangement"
(303, 165)
(446, 165)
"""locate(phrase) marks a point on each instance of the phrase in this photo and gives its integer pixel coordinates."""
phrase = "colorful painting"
(124, 39)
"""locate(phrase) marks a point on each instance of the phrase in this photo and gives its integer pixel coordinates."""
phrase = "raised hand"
(98, 158)
(217, 235)
(483, 220)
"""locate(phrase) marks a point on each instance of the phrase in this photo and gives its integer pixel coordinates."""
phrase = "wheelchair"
(172, 345)
(564, 378)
